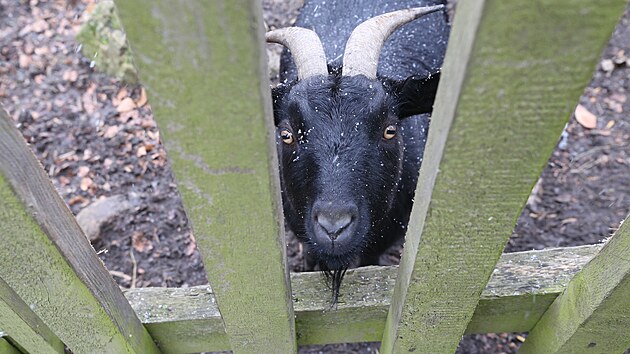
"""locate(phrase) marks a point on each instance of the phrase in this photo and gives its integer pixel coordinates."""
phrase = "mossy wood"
(512, 76)
(204, 66)
(49, 263)
(521, 289)
(593, 313)
(22, 325)
(7, 348)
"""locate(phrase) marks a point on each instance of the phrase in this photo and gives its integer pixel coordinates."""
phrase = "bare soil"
(94, 144)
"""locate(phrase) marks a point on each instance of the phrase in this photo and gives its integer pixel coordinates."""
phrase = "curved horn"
(364, 45)
(306, 49)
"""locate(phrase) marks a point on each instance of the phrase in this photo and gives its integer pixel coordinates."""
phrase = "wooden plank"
(47, 260)
(521, 289)
(204, 66)
(593, 313)
(6, 347)
(511, 78)
(19, 322)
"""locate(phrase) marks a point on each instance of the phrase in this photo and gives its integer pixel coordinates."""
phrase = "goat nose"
(335, 219)
(334, 223)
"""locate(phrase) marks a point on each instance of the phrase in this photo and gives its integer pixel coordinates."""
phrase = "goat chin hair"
(334, 278)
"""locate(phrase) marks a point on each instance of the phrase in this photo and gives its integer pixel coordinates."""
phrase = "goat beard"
(334, 277)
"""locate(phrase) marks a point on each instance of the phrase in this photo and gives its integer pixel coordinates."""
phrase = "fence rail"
(521, 289)
(204, 67)
(512, 75)
(505, 95)
(49, 263)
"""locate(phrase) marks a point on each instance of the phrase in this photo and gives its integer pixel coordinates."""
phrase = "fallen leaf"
(86, 183)
(89, 100)
(83, 171)
(122, 93)
(586, 119)
(140, 242)
(126, 105)
(110, 132)
(39, 26)
(24, 61)
(77, 199)
(143, 98)
(607, 65)
(70, 75)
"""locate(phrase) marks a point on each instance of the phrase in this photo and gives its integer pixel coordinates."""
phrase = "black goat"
(351, 130)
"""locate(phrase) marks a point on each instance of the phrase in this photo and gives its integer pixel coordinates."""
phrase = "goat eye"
(286, 136)
(389, 132)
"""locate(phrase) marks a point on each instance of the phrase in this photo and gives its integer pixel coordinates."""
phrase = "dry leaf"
(77, 199)
(70, 75)
(140, 242)
(83, 171)
(88, 100)
(24, 61)
(110, 132)
(122, 93)
(86, 183)
(607, 65)
(143, 98)
(126, 105)
(586, 119)
(39, 26)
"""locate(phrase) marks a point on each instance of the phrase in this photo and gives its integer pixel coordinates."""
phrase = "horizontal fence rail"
(512, 75)
(521, 289)
(204, 66)
(49, 263)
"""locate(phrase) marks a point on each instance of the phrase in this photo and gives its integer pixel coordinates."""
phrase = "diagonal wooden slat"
(204, 66)
(512, 75)
(20, 323)
(48, 261)
(6, 347)
(593, 312)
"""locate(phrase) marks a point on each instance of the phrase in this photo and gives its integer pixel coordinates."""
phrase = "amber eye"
(286, 136)
(389, 132)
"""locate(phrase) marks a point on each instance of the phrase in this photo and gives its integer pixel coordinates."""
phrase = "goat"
(351, 130)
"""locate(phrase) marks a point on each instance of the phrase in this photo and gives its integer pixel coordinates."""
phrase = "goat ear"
(416, 94)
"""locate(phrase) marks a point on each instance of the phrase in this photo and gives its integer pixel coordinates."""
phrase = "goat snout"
(334, 222)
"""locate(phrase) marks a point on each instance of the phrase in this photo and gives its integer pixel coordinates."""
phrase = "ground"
(97, 138)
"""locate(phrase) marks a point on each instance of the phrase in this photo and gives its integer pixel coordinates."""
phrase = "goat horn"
(366, 41)
(306, 49)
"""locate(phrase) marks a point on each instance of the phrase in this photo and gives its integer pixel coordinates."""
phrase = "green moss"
(503, 108)
(103, 41)
(203, 66)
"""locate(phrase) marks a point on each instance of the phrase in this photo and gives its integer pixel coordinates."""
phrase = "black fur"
(340, 163)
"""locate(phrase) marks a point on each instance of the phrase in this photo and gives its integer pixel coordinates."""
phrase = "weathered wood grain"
(593, 314)
(47, 260)
(521, 289)
(20, 323)
(7, 348)
(204, 66)
(512, 76)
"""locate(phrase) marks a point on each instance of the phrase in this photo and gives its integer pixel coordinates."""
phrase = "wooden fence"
(512, 75)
